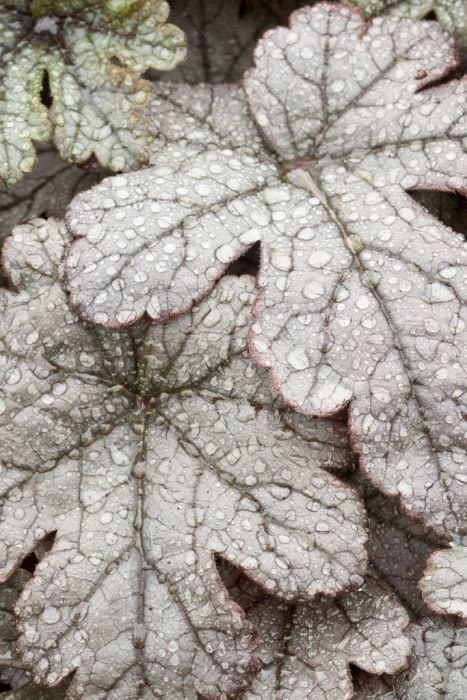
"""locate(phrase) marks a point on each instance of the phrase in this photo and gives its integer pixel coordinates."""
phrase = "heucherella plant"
(88, 55)
(362, 291)
(217, 485)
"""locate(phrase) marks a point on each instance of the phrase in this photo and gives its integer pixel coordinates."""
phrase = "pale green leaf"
(452, 14)
(93, 56)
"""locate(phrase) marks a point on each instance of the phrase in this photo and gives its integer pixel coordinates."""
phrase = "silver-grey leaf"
(305, 650)
(147, 454)
(363, 292)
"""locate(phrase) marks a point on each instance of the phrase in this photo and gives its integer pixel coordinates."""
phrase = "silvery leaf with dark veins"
(149, 451)
(362, 298)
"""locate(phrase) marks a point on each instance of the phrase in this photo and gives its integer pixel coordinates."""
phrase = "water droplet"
(51, 615)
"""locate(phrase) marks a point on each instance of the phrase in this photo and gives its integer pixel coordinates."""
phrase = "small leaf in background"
(149, 451)
(451, 14)
(437, 667)
(444, 583)
(46, 191)
(363, 291)
(12, 671)
(83, 61)
(305, 650)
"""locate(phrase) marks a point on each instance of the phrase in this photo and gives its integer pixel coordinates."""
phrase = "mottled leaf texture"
(398, 549)
(11, 670)
(363, 291)
(305, 650)
(91, 57)
(221, 35)
(46, 191)
(148, 452)
(444, 584)
(452, 14)
(437, 668)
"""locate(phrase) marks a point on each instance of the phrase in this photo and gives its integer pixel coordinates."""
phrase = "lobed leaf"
(362, 297)
(149, 451)
(306, 650)
(398, 549)
(92, 64)
(11, 671)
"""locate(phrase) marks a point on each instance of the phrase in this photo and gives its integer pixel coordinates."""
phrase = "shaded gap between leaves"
(46, 93)
(32, 559)
(246, 264)
(243, 8)
(449, 207)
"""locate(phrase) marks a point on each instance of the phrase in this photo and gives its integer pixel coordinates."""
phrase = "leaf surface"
(398, 549)
(92, 64)
(444, 583)
(149, 451)
(46, 191)
(363, 291)
(437, 666)
(451, 14)
(305, 650)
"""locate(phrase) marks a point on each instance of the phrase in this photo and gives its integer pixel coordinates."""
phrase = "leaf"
(362, 298)
(305, 650)
(398, 548)
(11, 670)
(221, 35)
(148, 451)
(444, 583)
(92, 63)
(437, 667)
(46, 191)
(452, 14)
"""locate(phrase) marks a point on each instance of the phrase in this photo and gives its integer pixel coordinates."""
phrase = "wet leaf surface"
(437, 667)
(306, 650)
(148, 451)
(362, 299)
(46, 191)
(452, 14)
(89, 59)
(398, 549)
